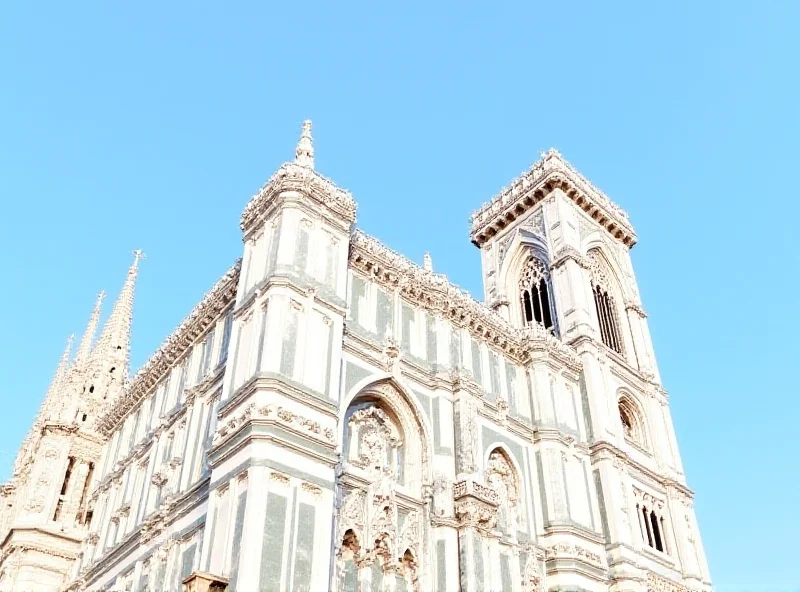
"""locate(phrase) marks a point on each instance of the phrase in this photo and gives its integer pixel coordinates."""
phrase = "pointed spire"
(88, 337)
(427, 263)
(114, 342)
(304, 153)
(63, 365)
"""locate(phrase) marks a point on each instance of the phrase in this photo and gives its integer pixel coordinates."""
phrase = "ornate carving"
(468, 434)
(562, 550)
(435, 294)
(656, 583)
(377, 440)
(442, 496)
(531, 575)
(279, 415)
(551, 171)
(501, 477)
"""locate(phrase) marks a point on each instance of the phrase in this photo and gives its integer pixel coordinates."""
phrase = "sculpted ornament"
(468, 435)
(442, 496)
(501, 477)
(531, 576)
(377, 440)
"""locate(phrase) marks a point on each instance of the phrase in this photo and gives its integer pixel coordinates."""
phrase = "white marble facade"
(332, 416)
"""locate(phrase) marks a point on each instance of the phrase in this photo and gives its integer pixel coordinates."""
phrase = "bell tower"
(551, 242)
(45, 505)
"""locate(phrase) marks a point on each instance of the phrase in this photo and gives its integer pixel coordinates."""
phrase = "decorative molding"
(551, 172)
(294, 177)
(435, 294)
(278, 415)
(173, 348)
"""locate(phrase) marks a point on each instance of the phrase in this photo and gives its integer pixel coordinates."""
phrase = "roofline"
(551, 172)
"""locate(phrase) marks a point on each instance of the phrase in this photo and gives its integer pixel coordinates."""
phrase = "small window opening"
(656, 531)
(83, 417)
(91, 389)
(607, 319)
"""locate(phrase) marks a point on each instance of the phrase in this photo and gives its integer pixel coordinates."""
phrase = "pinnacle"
(427, 262)
(85, 346)
(304, 153)
(114, 342)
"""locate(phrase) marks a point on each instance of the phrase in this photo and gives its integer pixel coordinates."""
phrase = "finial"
(137, 255)
(304, 153)
(427, 263)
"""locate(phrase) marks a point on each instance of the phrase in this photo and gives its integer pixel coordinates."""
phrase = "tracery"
(535, 295)
(378, 530)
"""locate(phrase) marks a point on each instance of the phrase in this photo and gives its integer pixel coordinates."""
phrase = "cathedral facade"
(334, 417)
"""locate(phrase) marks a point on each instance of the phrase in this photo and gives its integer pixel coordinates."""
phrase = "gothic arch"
(609, 296)
(632, 418)
(386, 452)
(391, 392)
(523, 250)
(503, 473)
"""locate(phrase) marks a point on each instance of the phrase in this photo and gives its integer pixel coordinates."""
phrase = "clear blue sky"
(150, 126)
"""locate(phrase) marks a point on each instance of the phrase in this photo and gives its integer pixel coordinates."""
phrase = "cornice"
(173, 348)
(294, 177)
(436, 294)
(605, 450)
(551, 172)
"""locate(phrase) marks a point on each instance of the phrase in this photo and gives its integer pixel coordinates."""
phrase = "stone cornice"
(293, 177)
(551, 172)
(605, 450)
(173, 348)
(434, 293)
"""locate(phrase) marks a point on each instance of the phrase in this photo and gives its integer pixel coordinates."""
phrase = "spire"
(304, 153)
(63, 365)
(427, 263)
(88, 337)
(114, 342)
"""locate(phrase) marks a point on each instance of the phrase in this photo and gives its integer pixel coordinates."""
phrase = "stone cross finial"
(304, 153)
(427, 263)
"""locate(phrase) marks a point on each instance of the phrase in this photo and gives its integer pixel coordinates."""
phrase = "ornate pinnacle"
(61, 371)
(427, 263)
(114, 341)
(304, 153)
(86, 343)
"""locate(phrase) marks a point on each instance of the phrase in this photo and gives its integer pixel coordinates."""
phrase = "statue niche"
(502, 477)
(378, 531)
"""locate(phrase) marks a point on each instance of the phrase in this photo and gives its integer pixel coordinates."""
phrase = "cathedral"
(332, 416)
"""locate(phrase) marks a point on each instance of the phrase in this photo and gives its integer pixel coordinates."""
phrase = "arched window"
(631, 419)
(604, 304)
(379, 531)
(502, 477)
(651, 521)
(535, 294)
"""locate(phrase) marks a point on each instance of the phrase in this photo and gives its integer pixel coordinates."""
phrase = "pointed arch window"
(631, 419)
(534, 289)
(605, 306)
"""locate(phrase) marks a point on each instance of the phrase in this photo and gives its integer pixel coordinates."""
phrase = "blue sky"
(149, 126)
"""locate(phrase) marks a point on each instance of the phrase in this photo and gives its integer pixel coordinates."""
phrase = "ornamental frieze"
(565, 550)
(435, 294)
(294, 177)
(279, 415)
(550, 172)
